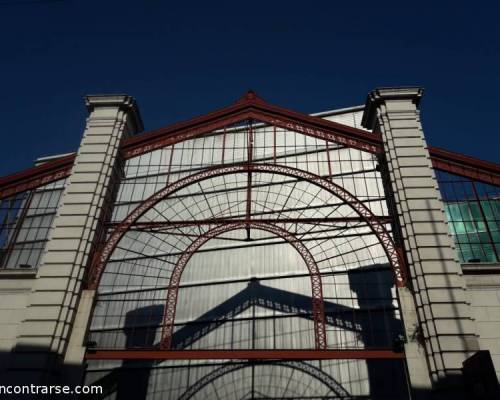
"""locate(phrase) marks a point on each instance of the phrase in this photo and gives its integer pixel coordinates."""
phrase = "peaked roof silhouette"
(251, 106)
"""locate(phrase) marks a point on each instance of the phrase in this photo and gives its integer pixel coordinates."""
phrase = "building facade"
(254, 253)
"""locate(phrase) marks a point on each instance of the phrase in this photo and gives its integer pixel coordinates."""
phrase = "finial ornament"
(250, 97)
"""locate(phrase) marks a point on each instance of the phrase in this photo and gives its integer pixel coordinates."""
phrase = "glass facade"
(473, 213)
(471, 231)
(26, 219)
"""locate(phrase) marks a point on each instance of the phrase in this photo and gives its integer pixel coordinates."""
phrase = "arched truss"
(393, 253)
(335, 387)
(316, 286)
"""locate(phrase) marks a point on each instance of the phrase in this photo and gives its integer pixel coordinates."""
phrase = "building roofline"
(45, 159)
(50, 168)
(338, 111)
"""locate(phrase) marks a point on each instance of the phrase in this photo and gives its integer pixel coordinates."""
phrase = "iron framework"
(254, 176)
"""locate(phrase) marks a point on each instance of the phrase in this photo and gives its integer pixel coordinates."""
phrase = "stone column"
(440, 311)
(44, 334)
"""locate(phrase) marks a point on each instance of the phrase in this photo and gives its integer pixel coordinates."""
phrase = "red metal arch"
(393, 253)
(318, 309)
(335, 387)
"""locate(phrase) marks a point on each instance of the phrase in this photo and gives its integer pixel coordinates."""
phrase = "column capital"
(123, 102)
(380, 95)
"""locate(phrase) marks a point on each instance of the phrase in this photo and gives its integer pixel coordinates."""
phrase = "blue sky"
(182, 59)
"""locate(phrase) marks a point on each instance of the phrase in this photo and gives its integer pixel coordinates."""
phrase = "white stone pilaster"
(44, 334)
(440, 311)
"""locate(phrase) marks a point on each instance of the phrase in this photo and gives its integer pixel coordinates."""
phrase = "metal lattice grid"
(324, 196)
(271, 379)
(26, 219)
(473, 212)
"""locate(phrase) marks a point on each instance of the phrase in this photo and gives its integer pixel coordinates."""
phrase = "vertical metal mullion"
(483, 215)
(455, 196)
(17, 227)
(170, 165)
(274, 144)
(249, 177)
(328, 160)
(253, 380)
(223, 145)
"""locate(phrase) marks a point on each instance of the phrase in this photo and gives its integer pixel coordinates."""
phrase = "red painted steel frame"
(37, 176)
(155, 354)
(316, 373)
(318, 308)
(394, 254)
(252, 107)
(444, 160)
(219, 221)
(462, 165)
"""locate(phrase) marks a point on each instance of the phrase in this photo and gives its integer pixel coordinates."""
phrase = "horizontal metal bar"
(466, 166)
(220, 221)
(255, 109)
(282, 155)
(257, 318)
(154, 354)
(36, 176)
(382, 267)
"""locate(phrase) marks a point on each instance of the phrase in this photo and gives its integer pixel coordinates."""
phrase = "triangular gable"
(250, 106)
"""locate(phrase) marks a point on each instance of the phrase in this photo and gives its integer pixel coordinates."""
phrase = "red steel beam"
(155, 354)
(394, 254)
(36, 176)
(220, 221)
(466, 166)
(252, 107)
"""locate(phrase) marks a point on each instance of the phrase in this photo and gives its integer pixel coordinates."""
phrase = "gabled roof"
(33, 177)
(250, 106)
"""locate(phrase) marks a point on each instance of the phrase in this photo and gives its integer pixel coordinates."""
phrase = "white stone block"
(47, 298)
(38, 328)
(444, 281)
(408, 141)
(429, 192)
(484, 298)
(72, 232)
(428, 216)
(419, 182)
(413, 162)
(86, 177)
(90, 158)
(438, 267)
(87, 167)
(91, 147)
(82, 187)
(74, 209)
(436, 253)
(488, 330)
(446, 296)
(431, 239)
(419, 151)
(425, 204)
(79, 198)
(415, 172)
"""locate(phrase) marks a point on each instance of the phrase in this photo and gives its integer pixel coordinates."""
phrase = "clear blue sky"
(184, 58)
